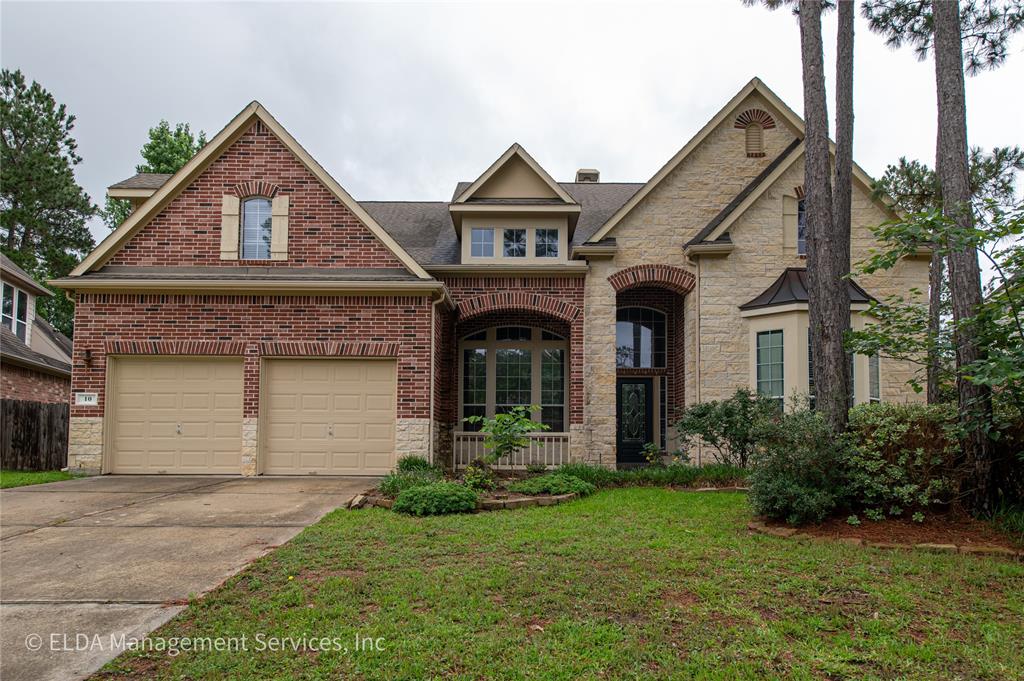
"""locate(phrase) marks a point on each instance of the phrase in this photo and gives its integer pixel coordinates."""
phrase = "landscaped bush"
(412, 462)
(399, 481)
(438, 498)
(904, 458)
(478, 476)
(677, 475)
(553, 483)
(799, 472)
(595, 475)
(728, 426)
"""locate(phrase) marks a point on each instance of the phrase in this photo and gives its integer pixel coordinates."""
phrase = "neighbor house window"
(256, 229)
(510, 366)
(515, 243)
(874, 379)
(640, 338)
(482, 242)
(770, 365)
(546, 243)
(801, 228)
(15, 311)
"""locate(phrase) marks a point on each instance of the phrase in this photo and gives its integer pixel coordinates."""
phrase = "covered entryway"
(329, 416)
(176, 415)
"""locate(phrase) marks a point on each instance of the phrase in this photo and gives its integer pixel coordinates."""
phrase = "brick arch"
(518, 300)
(666, 276)
(759, 116)
(255, 188)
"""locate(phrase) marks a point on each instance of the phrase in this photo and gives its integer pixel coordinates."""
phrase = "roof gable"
(788, 116)
(515, 175)
(191, 170)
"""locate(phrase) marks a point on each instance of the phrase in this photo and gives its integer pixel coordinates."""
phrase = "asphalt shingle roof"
(143, 181)
(14, 350)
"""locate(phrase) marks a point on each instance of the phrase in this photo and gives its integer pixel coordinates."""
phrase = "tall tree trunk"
(828, 299)
(975, 401)
(936, 272)
(843, 188)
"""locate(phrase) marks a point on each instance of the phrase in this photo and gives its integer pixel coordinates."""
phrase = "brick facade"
(20, 383)
(322, 232)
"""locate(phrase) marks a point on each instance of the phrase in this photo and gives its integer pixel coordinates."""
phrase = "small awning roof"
(791, 287)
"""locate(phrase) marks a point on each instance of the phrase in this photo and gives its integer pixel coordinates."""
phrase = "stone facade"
(85, 443)
(412, 437)
(21, 383)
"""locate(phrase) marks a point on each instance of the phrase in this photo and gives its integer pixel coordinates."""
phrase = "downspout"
(433, 372)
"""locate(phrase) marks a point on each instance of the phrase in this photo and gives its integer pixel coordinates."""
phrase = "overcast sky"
(401, 101)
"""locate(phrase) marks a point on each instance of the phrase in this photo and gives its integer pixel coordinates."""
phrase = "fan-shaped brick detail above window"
(255, 188)
(759, 116)
(663, 276)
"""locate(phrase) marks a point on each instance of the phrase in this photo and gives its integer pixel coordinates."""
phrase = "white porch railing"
(550, 449)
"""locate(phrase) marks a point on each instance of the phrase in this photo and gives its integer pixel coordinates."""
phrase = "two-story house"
(252, 317)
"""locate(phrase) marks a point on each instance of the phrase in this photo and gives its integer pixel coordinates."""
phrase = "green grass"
(627, 583)
(22, 478)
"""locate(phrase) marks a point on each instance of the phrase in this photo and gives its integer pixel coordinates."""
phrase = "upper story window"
(482, 242)
(546, 243)
(801, 227)
(640, 338)
(256, 229)
(515, 243)
(874, 379)
(15, 310)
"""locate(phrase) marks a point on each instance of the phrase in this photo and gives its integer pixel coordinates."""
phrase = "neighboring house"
(252, 317)
(35, 358)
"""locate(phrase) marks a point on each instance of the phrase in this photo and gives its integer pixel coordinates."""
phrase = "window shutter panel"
(279, 228)
(229, 228)
(789, 222)
(755, 140)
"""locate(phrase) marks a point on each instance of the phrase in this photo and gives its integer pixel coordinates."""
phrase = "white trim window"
(801, 227)
(771, 365)
(15, 310)
(257, 229)
(482, 242)
(874, 379)
(545, 243)
(508, 366)
(514, 245)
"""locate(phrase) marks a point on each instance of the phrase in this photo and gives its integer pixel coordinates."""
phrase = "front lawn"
(22, 478)
(626, 583)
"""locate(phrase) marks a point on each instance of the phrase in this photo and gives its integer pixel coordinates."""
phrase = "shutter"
(229, 228)
(789, 222)
(755, 140)
(279, 228)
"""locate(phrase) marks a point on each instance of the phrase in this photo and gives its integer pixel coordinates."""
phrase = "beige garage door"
(177, 415)
(329, 416)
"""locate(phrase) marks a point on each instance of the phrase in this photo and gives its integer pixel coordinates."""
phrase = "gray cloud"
(400, 101)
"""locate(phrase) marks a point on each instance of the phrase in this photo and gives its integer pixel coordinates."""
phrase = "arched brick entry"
(674, 279)
(515, 300)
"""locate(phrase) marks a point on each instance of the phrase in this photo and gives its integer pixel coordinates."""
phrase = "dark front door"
(634, 418)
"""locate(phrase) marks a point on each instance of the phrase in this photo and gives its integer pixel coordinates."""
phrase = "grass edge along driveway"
(641, 583)
(9, 479)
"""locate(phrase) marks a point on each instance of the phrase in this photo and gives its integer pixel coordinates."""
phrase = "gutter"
(249, 285)
(36, 366)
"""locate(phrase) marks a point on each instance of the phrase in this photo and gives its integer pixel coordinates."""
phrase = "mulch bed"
(942, 529)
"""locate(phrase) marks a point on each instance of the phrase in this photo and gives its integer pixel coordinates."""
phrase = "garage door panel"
(339, 417)
(154, 397)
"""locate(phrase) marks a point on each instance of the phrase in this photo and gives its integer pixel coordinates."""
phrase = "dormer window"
(546, 243)
(482, 245)
(515, 243)
(15, 311)
(256, 229)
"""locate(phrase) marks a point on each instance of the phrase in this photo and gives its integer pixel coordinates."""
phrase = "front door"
(634, 417)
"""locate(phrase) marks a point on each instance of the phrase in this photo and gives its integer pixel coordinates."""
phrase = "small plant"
(438, 498)
(536, 468)
(853, 520)
(478, 476)
(728, 426)
(553, 483)
(395, 483)
(413, 463)
(680, 458)
(652, 454)
(918, 517)
(507, 433)
(874, 514)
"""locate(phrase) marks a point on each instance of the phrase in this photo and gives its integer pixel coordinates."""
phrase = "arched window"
(508, 366)
(801, 227)
(256, 229)
(640, 338)
(755, 140)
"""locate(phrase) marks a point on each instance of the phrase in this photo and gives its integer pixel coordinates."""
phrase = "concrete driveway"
(121, 554)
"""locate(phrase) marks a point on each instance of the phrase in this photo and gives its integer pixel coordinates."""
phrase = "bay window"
(771, 365)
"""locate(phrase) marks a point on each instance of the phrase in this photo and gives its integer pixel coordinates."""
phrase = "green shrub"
(412, 462)
(799, 469)
(536, 468)
(595, 475)
(399, 481)
(507, 433)
(553, 483)
(478, 476)
(728, 426)
(438, 498)
(678, 475)
(904, 458)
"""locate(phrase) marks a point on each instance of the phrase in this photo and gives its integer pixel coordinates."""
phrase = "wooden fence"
(33, 435)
